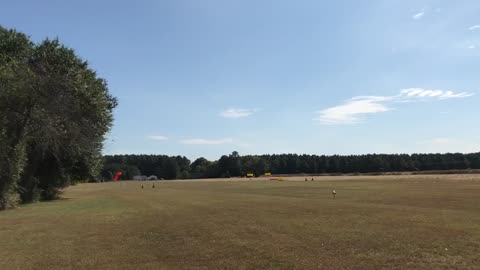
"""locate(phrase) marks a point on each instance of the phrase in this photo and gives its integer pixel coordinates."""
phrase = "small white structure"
(140, 177)
(152, 177)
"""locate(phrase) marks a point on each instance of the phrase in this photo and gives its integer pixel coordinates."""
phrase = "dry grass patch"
(387, 222)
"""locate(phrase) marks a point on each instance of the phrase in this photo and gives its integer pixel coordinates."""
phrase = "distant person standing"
(334, 193)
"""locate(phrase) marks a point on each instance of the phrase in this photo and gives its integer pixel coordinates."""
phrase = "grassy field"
(384, 222)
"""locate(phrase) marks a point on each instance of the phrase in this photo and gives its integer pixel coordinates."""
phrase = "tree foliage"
(234, 165)
(55, 112)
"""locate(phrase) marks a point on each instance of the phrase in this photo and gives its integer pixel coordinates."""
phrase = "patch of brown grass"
(375, 222)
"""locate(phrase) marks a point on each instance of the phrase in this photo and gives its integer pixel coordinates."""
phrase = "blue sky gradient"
(205, 78)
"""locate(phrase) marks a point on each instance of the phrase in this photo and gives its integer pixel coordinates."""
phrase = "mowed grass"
(376, 222)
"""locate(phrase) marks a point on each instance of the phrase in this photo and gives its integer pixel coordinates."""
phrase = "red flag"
(117, 175)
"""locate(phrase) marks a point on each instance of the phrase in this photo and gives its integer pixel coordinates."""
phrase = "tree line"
(234, 165)
(54, 114)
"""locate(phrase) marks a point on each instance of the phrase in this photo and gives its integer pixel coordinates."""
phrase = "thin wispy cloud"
(157, 137)
(418, 15)
(198, 141)
(442, 141)
(471, 47)
(474, 27)
(353, 110)
(408, 94)
(237, 113)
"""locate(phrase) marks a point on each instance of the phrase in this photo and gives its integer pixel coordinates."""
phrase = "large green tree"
(56, 114)
(16, 87)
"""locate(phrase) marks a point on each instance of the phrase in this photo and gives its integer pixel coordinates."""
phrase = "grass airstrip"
(375, 222)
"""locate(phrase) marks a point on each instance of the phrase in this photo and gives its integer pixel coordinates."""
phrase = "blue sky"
(205, 78)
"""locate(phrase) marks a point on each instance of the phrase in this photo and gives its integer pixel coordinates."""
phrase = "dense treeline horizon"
(234, 165)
